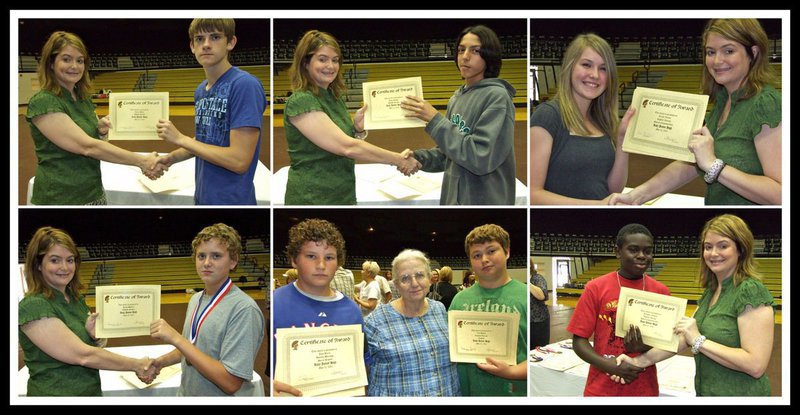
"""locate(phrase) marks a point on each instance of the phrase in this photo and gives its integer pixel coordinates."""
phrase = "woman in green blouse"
(324, 142)
(738, 151)
(68, 136)
(56, 328)
(732, 330)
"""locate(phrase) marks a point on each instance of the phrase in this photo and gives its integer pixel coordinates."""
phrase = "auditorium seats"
(680, 275)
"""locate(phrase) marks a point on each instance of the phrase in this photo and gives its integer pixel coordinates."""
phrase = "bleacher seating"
(680, 275)
(439, 80)
(644, 49)
(175, 274)
(180, 83)
(399, 50)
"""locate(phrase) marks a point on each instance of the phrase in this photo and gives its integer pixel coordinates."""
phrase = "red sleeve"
(585, 314)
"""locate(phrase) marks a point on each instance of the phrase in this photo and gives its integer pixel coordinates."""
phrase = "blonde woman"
(576, 139)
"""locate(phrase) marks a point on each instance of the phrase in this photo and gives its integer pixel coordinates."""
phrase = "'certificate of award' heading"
(383, 100)
(475, 335)
(126, 310)
(322, 361)
(134, 115)
(663, 123)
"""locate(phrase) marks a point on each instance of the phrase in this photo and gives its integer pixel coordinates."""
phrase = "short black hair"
(631, 229)
(491, 50)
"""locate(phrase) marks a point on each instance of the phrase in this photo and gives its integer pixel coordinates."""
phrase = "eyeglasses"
(405, 279)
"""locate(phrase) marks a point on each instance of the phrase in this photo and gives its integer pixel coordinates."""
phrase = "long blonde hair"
(308, 45)
(603, 110)
(733, 227)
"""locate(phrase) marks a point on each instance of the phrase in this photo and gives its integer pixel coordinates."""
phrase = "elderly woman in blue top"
(407, 339)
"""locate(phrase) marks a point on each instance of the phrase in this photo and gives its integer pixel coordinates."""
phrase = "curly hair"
(226, 235)
(315, 230)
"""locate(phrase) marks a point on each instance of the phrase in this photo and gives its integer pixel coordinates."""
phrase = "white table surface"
(122, 185)
(674, 200)
(675, 377)
(368, 193)
(114, 385)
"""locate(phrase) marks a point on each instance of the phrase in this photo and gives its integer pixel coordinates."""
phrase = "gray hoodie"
(475, 145)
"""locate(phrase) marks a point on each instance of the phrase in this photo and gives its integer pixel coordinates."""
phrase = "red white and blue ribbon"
(201, 318)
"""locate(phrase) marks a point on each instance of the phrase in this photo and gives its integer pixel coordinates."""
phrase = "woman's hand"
(103, 126)
(358, 119)
(702, 145)
(687, 326)
(418, 108)
(91, 323)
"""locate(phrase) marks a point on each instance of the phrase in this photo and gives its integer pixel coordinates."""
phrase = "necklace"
(620, 283)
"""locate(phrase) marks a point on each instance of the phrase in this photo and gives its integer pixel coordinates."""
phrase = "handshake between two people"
(409, 165)
(152, 165)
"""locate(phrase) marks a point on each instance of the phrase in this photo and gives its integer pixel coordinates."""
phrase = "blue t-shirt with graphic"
(236, 100)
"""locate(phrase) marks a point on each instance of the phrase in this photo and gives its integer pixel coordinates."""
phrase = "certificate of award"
(476, 335)
(126, 310)
(383, 103)
(322, 360)
(134, 115)
(663, 123)
(655, 314)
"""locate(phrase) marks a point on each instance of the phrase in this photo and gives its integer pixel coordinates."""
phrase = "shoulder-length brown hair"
(604, 110)
(44, 239)
(306, 47)
(733, 227)
(47, 77)
(748, 33)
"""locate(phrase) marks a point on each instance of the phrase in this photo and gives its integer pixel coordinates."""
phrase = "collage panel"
(143, 111)
(658, 112)
(393, 303)
(625, 293)
(439, 115)
(164, 296)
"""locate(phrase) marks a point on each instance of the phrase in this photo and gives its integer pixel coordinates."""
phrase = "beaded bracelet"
(713, 172)
(698, 343)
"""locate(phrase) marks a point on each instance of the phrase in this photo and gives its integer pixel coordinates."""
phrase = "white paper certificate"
(134, 115)
(663, 123)
(321, 360)
(655, 314)
(126, 310)
(476, 335)
(383, 103)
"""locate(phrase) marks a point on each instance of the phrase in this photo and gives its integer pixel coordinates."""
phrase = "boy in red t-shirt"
(596, 315)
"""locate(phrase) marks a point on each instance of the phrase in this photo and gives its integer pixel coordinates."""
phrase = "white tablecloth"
(123, 187)
(675, 200)
(114, 385)
(368, 188)
(675, 376)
